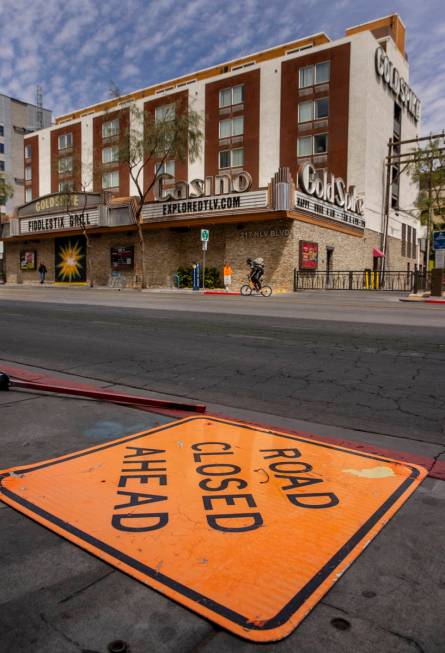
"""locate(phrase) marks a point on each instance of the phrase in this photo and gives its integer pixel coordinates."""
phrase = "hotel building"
(292, 167)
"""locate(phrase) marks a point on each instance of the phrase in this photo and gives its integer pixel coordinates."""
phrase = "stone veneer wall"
(276, 241)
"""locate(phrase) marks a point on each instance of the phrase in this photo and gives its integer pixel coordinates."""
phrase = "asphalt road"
(366, 362)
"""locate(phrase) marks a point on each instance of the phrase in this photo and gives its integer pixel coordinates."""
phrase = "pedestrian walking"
(42, 272)
(227, 276)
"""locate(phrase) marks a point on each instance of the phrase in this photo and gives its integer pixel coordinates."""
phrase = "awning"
(377, 252)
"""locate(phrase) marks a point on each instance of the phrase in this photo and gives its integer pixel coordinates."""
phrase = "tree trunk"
(142, 249)
(89, 266)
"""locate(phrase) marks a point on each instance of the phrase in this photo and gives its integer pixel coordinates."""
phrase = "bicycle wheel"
(266, 291)
(245, 290)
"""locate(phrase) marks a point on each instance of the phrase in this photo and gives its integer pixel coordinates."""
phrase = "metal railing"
(393, 280)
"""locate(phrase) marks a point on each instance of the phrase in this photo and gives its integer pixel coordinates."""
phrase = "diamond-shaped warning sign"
(245, 526)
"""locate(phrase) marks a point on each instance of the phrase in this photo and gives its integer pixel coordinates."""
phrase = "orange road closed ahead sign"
(245, 526)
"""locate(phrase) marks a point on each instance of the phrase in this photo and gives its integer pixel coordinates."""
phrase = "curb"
(37, 380)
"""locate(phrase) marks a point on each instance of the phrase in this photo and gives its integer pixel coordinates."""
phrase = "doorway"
(329, 266)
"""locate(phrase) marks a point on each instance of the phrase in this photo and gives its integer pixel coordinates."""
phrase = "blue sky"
(72, 48)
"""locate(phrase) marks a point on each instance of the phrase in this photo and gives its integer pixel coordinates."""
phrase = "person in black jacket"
(42, 272)
(256, 271)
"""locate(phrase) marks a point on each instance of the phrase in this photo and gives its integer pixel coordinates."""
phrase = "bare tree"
(150, 141)
(6, 190)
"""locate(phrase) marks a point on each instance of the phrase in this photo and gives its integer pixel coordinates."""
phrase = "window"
(231, 158)
(403, 239)
(110, 154)
(224, 159)
(65, 165)
(28, 173)
(110, 128)
(2, 130)
(2, 148)
(305, 146)
(28, 194)
(65, 141)
(230, 96)
(318, 74)
(66, 186)
(320, 143)
(110, 179)
(165, 112)
(2, 166)
(322, 72)
(305, 111)
(321, 108)
(28, 151)
(167, 167)
(231, 127)
(414, 243)
(306, 76)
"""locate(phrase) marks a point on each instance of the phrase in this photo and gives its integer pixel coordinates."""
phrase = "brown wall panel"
(251, 113)
(33, 141)
(181, 167)
(75, 152)
(99, 143)
(338, 94)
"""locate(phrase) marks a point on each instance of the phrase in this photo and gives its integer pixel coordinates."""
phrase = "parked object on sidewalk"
(218, 554)
(227, 276)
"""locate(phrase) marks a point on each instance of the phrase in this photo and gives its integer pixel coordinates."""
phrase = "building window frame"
(65, 141)
(114, 157)
(233, 131)
(309, 75)
(165, 112)
(167, 167)
(66, 186)
(110, 128)
(316, 112)
(28, 194)
(65, 165)
(307, 103)
(28, 151)
(233, 92)
(113, 176)
(28, 173)
(231, 157)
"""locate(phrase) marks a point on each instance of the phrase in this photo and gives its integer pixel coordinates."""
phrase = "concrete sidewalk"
(59, 599)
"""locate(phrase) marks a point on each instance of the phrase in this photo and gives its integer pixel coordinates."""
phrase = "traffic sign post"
(205, 234)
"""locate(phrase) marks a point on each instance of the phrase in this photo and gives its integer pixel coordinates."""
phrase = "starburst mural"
(70, 260)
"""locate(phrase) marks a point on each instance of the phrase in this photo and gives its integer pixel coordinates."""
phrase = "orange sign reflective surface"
(245, 526)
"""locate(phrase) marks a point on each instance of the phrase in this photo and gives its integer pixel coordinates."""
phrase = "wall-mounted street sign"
(205, 235)
(248, 527)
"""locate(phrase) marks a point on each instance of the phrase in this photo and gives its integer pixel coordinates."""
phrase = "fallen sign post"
(252, 536)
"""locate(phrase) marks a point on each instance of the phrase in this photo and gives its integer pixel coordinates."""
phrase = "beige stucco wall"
(276, 241)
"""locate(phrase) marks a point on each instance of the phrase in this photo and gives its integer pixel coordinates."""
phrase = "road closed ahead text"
(229, 505)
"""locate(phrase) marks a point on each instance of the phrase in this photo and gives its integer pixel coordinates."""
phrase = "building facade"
(292, 168)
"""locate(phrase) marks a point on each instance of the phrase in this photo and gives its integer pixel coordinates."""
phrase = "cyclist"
(256, 272)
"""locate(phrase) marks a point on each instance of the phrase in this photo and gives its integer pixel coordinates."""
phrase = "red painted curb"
(53, 384)
(435, 301)
(219, 292)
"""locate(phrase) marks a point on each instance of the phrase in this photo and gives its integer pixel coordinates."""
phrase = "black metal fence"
(398, 280)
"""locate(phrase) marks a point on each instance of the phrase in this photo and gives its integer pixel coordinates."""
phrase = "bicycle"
(249, 289)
